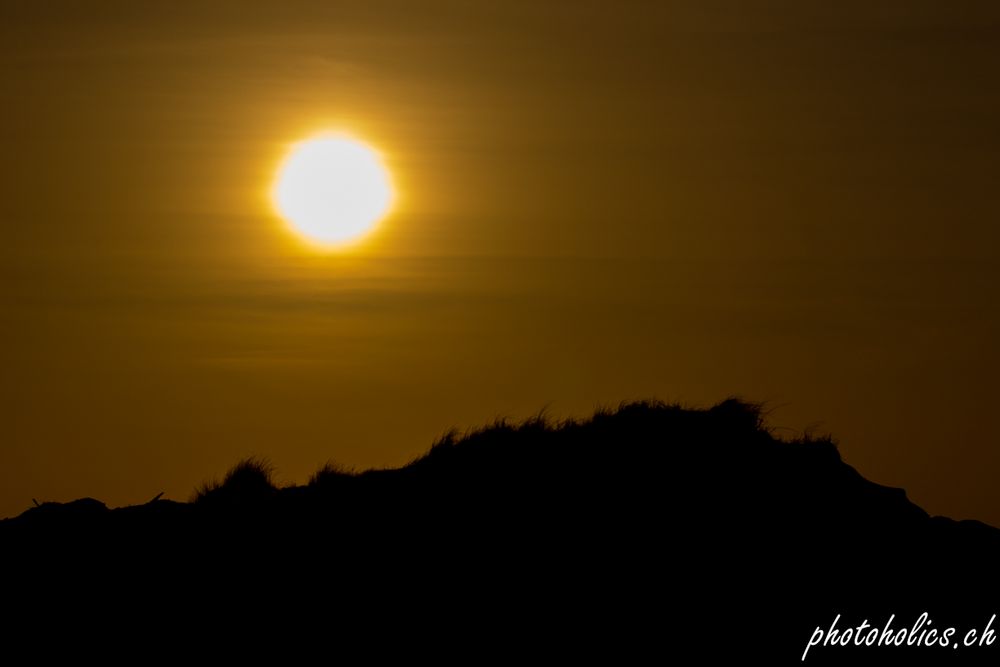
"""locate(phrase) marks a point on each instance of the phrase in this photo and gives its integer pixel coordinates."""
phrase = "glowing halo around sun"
(332, 190)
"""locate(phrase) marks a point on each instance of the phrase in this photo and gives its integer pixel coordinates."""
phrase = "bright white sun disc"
(332, 189)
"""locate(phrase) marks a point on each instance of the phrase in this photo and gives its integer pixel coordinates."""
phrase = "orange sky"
(791, 201)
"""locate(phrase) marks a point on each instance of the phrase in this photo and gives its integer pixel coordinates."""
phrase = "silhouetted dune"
(613, 536)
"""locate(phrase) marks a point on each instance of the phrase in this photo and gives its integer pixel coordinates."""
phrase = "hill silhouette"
(620, 535)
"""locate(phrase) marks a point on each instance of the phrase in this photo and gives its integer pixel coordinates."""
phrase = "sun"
(332, 189)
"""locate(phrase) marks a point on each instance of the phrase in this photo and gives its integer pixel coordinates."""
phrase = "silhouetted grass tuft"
(330, 472)
(250, 479)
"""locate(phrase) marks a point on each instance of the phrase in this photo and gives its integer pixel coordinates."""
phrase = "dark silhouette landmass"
(626, 535)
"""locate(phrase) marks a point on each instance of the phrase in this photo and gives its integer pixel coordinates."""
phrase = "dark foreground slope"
(642, 532)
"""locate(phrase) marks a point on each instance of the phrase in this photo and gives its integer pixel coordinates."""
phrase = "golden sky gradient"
(791, 201)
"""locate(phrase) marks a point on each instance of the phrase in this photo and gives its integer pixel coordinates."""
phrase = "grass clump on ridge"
(250, 478)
